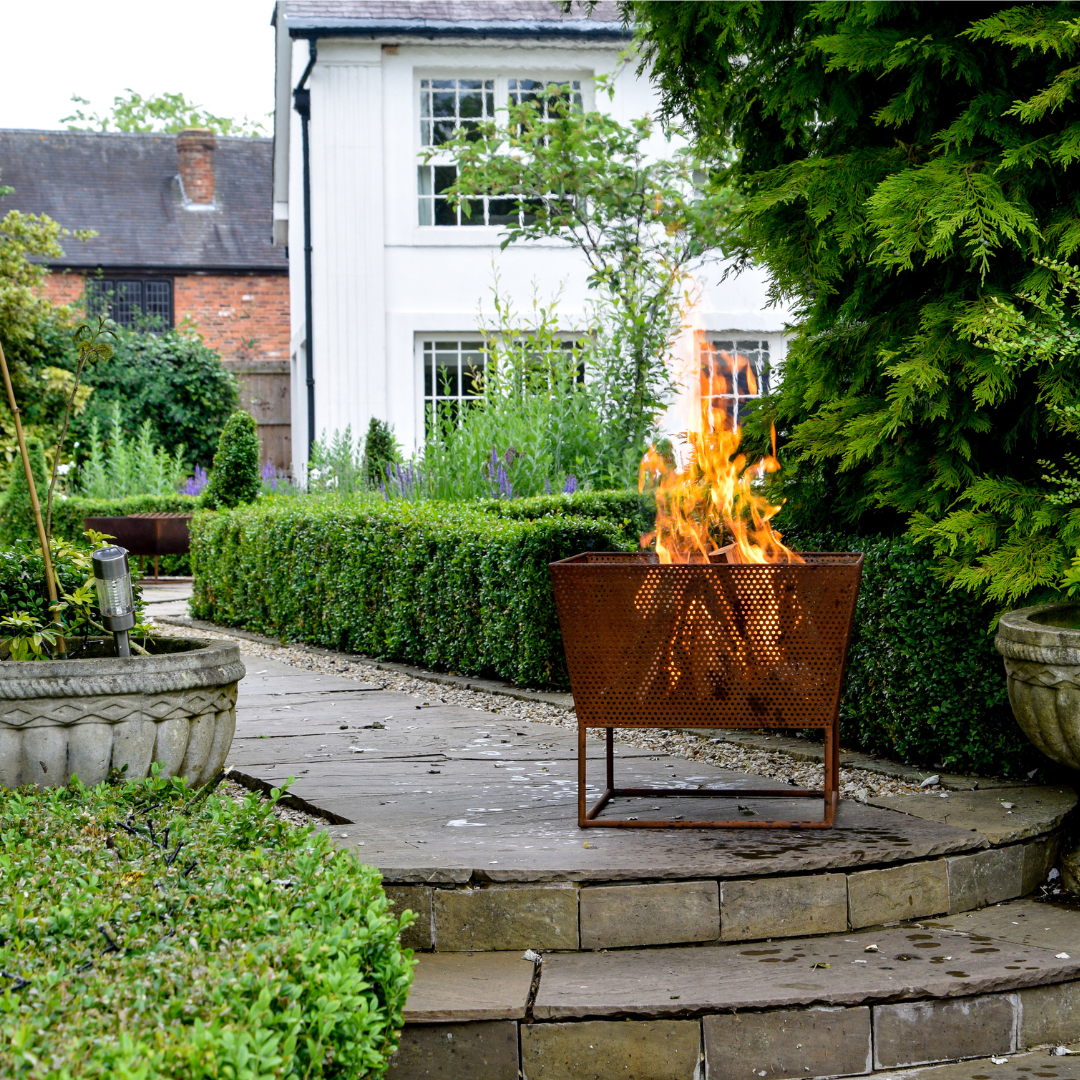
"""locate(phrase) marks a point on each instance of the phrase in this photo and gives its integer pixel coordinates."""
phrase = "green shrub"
(16, 512)
(148, 932)
(236, 477)
(924, 683)
(171, 379)
(634, 512)
(380, 452)
(442, 585)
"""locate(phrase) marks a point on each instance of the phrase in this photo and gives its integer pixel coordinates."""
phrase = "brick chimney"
(195, 148)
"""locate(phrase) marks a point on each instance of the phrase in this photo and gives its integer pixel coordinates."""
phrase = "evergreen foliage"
(904, 168)
(380, 452)
(16, 512)
(250, 949)
(172, 379)
(236, 477)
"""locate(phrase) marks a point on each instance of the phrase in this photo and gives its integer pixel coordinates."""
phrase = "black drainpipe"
(302, 103)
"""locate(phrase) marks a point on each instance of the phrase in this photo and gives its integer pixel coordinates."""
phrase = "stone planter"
(1041, 647)
(87, 716)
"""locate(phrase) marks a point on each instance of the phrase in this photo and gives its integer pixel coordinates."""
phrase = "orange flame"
(709, 503)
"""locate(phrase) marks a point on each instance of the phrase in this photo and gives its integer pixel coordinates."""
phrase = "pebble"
(856, 784)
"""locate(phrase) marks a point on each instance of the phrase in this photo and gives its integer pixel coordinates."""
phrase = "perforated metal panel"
(706, 645)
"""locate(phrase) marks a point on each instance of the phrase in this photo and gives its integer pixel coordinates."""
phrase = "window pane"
(445, 175)
(502, 212)
(475, 213)
(157, 300)
(126, 302)
(446, 375)
(445, 214)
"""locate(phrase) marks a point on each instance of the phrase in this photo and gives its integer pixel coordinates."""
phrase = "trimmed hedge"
(149, 931)
(924, 683)
(634, 512)
(438, 584)
(465, 587)
(68, 517)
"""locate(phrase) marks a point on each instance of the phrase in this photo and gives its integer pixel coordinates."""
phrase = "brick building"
(184, 234)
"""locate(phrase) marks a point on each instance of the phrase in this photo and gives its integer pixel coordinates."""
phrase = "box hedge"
(465, 587)
(439, 584)
(924, 683)
(148, 931)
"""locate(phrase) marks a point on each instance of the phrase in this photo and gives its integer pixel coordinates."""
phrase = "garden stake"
(61, 646)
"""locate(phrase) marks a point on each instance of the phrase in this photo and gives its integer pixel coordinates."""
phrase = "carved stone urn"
(1041, 647)
(99, 712)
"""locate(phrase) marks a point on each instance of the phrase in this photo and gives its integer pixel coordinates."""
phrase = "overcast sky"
(220, 53)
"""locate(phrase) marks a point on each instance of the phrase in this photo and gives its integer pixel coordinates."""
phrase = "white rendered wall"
(381, 281)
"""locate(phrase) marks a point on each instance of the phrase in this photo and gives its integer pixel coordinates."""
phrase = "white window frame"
(501, 79)
(757, 350)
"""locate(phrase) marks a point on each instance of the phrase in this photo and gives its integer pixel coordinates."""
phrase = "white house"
(391, 282)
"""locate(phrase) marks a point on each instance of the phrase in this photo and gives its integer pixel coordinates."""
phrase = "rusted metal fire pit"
(706, 645)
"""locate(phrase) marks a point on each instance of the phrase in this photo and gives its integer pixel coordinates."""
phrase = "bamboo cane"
(50, 580)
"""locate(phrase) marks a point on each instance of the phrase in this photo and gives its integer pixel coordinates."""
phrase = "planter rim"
(209, 663)
(1020, 637)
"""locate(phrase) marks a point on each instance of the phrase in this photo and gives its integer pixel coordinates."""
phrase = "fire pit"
(747, 635)
(706, 645)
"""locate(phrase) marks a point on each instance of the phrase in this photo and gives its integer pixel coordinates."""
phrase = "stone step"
(985, 983)
(592, 915)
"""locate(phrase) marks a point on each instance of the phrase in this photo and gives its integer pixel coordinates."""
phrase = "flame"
(709, 502)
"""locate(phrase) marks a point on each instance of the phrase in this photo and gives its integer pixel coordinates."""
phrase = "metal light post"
(115, 599)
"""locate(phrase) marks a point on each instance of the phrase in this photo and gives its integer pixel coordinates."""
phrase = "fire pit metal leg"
(589, 817)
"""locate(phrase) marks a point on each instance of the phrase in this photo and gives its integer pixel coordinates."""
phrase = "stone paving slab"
(1039, 923)
(463, 986)
(909, 963)
(1038, 1063)
(1031, 811)
(450, 794)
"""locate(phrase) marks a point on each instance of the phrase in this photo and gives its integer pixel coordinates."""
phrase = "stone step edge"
(566, 917)
(812, 1042)
(797, 749)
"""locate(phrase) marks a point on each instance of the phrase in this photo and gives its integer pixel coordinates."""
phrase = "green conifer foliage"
(905, 173)
(380, 452)
(235, 478)
(16, 513)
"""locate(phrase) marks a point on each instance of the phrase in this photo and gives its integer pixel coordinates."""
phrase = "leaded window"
(140, 303)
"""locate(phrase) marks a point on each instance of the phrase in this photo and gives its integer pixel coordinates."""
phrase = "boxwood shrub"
(147, 931)
(445, 585)
(465, 588)
(924, 683)
(68, 517)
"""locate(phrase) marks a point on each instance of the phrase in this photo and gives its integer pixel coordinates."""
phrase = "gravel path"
(857, 784)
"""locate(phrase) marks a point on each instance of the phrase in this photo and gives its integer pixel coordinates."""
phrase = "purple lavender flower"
(194, 484)
(506, 490)
(571, 485)
(547, 486)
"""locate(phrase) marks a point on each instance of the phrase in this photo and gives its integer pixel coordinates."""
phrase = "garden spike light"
(115, 599)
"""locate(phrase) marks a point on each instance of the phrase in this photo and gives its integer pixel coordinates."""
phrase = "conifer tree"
(905, 173)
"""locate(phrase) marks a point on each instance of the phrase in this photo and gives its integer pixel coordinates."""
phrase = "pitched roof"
(453, 18)
(127, 188)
